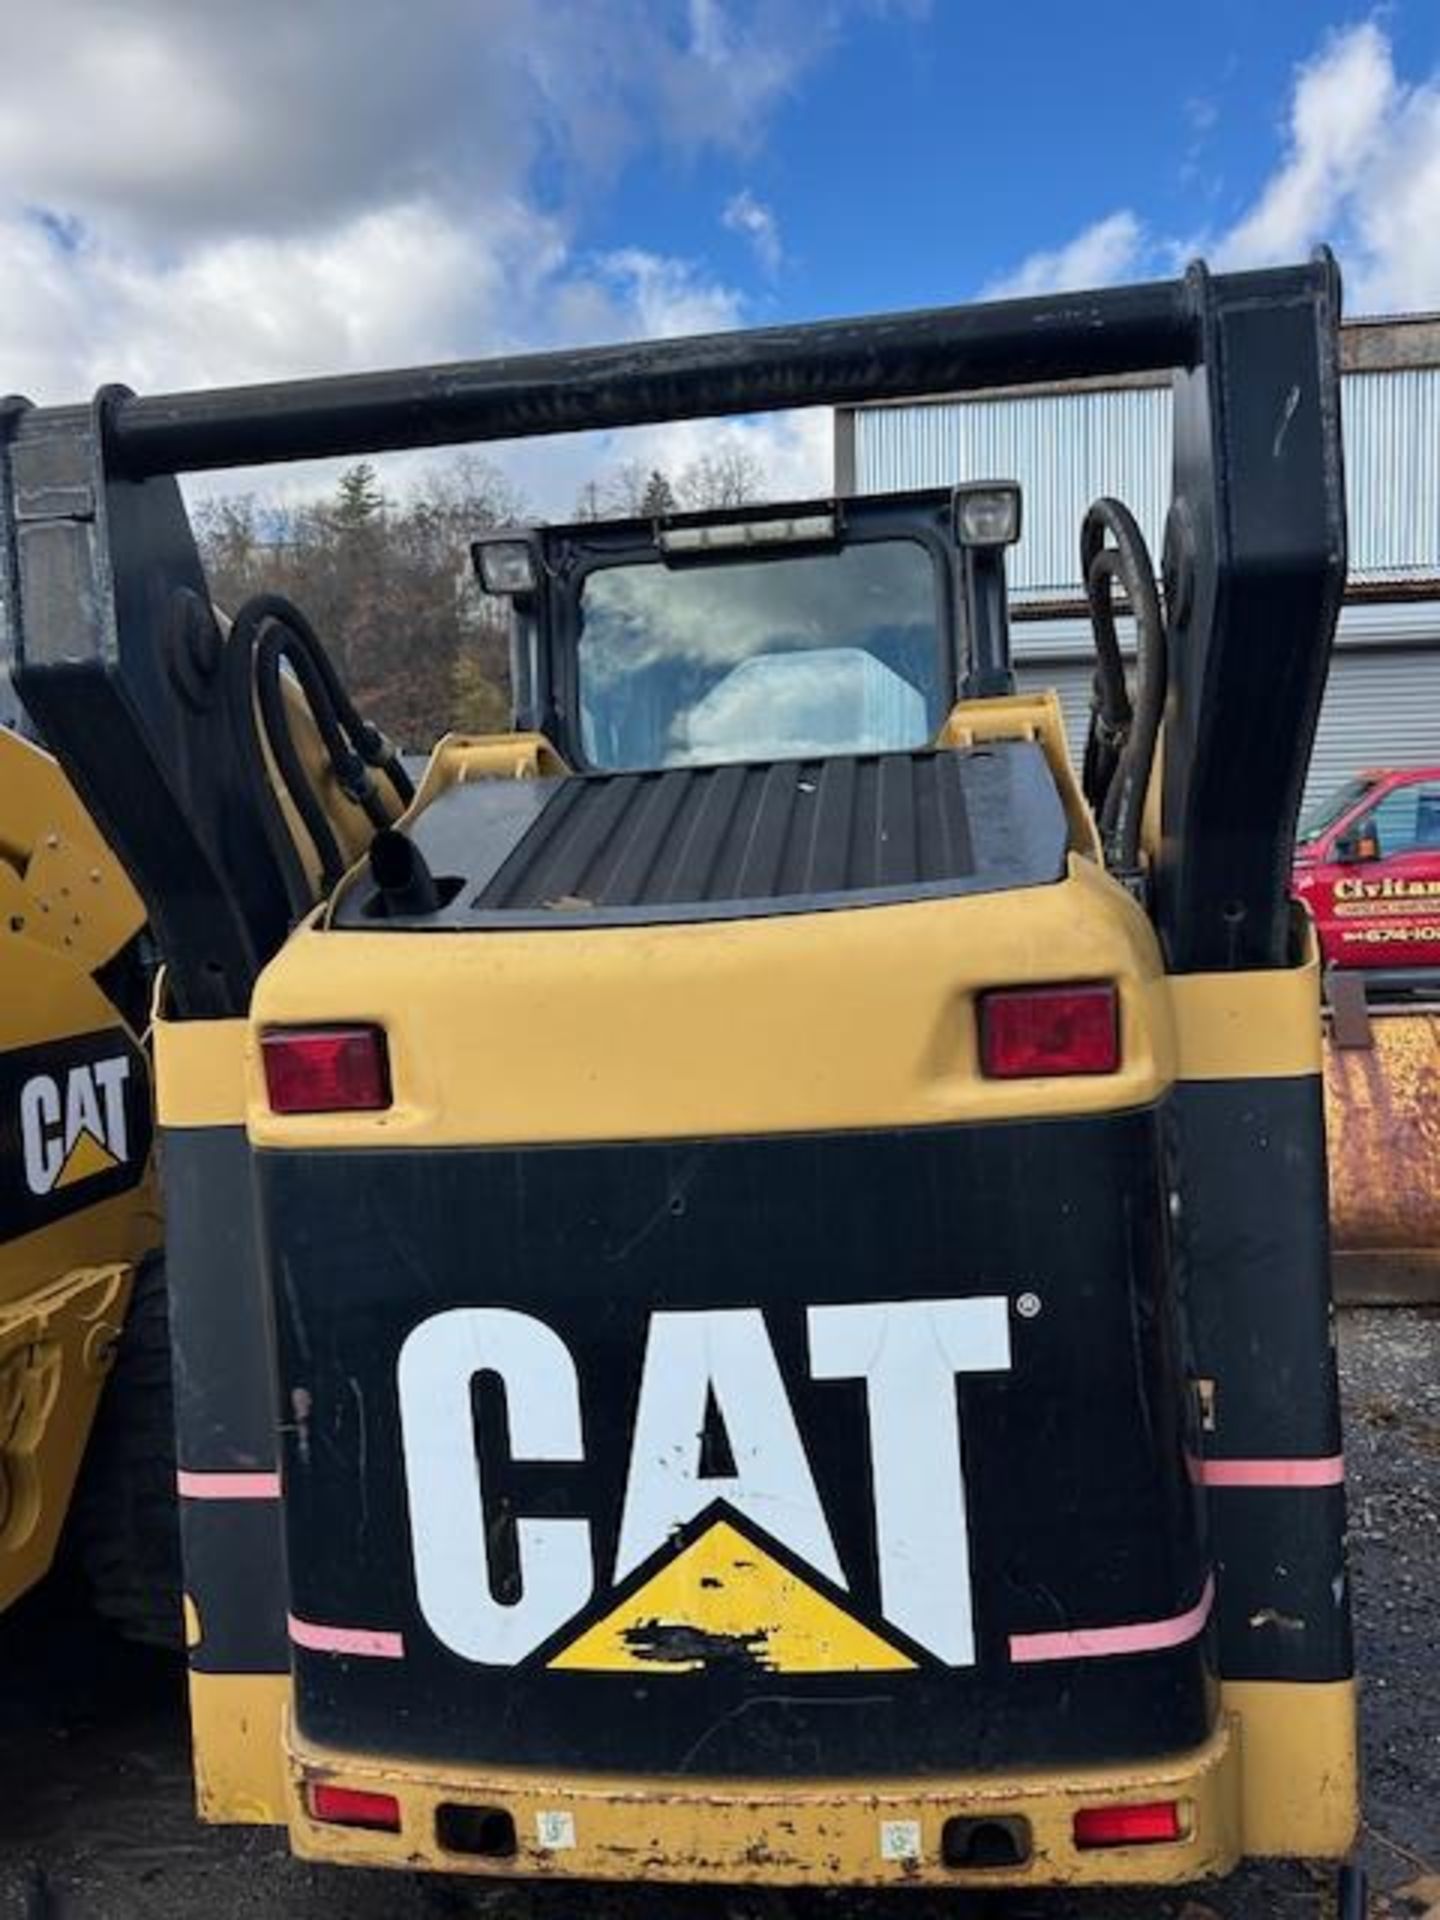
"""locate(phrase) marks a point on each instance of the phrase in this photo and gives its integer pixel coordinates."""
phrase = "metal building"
(1066, 445)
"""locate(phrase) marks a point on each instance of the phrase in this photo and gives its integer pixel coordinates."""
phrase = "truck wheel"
(124, 1526)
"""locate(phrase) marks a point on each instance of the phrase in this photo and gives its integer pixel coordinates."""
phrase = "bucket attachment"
(1382, 1116)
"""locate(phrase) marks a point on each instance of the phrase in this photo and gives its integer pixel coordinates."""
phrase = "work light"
(987, 513)
(505, 566)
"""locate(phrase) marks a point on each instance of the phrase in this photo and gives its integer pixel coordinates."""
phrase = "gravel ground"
(95, 1819)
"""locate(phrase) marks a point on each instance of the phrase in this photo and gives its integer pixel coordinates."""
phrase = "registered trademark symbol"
(1028, 1305)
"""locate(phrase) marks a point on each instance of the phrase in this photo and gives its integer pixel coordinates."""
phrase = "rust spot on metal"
(1382, 1117)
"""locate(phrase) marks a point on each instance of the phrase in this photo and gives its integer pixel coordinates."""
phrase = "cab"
(1367, 865)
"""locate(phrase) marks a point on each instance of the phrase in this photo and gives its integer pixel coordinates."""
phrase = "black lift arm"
(106, 628)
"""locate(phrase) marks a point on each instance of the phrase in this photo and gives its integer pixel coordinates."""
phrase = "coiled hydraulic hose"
(270, 634)
(1120, 746)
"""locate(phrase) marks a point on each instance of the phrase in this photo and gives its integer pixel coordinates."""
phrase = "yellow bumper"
(833, 1832)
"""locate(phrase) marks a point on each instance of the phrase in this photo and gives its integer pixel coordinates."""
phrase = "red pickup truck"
(1367, 865)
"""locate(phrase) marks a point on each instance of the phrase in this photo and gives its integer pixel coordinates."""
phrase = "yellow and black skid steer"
(750, 1271)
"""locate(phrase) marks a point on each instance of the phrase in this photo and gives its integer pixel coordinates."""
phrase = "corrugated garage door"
(1071, 680)
(1382, 702)
(1382, 709)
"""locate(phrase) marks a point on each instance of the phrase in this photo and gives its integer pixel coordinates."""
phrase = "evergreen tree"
(358, 499)
(658, 498)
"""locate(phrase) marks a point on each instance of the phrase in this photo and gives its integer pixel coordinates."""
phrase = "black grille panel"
(744, 833)
(791, 835)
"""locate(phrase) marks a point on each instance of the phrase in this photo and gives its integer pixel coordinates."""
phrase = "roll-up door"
(1071, 680)
(1382, 709)
(1382, 702)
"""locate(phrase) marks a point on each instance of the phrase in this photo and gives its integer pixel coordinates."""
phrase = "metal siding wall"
(1392, 473)
(1382, 707)
(1065, 449)
(1382, 704)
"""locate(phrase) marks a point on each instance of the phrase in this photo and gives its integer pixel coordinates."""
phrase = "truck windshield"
(746, 659)
(1322, 814)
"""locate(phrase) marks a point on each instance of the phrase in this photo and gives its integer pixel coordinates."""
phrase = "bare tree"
(388, 585)
(232, 541)
(623, 490)
(589, 502)
(731, 476)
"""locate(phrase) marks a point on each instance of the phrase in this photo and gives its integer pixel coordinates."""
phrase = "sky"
(194, 192)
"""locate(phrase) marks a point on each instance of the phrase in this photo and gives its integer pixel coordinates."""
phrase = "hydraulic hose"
(269, 635)
(1120, 745)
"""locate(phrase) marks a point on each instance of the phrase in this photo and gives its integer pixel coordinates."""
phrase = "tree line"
(388, 584)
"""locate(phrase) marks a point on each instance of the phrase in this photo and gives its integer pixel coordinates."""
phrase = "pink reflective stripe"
(228, 1486)
(371, 1642)
(1099, 1643)
(1327, 1472)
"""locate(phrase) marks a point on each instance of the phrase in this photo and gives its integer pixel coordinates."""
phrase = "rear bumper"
(875, 1832)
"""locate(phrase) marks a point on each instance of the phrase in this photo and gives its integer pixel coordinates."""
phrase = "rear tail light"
(1150, 1824)
(326, 1069)
(354, 1807)
(1029, 1032)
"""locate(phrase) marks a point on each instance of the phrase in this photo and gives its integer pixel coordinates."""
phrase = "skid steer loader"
(750, 1283)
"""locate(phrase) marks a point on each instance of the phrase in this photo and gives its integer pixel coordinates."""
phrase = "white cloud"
(737, 72)
(1359, 169)
(195, 194)
(1339, 115)
(667, 297)
(402, 281)
(1108, 250)
(206, 193)
(746, 215)
(168, 118)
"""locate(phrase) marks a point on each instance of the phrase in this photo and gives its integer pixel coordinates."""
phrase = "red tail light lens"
(326, 1069)
(1048, 1031)
(1148, 1825)
(353, 1807)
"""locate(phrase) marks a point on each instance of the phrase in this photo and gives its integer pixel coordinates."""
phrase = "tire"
(124, 1525)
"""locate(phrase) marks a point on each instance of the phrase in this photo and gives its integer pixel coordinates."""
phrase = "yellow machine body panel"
(1279, 1776)
(74, 1149)
(58, 878)
(725, 1027)
(787, 1025)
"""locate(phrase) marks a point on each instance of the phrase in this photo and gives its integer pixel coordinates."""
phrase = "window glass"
(810, 653)
(1407, 820)
(1322, 814)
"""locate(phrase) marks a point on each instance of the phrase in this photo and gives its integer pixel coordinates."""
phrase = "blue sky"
(926, 152)
(194, 195)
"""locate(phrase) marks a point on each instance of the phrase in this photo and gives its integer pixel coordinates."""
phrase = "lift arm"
(106, 628)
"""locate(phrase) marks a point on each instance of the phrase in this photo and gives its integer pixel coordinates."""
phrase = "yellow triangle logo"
(86, 1158)
(723, 1599)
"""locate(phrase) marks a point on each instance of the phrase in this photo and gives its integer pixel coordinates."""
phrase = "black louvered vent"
(695, 842)
(743, 833)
